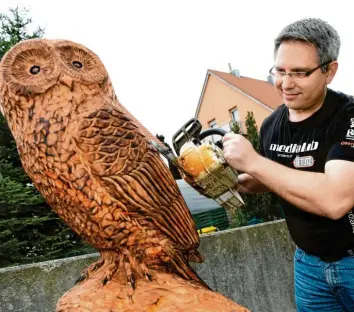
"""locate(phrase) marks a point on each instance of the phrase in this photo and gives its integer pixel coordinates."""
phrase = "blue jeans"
(323, 286)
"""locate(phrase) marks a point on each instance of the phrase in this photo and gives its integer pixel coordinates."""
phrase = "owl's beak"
(66, 80)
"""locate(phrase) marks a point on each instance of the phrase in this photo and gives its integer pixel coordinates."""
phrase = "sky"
(157, 52)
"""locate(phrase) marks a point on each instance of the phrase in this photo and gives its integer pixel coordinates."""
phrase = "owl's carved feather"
(132, 171)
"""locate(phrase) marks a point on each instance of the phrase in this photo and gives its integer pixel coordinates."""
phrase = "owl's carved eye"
(80, 63)
(77, 64)
(30, 67)
(34, 70)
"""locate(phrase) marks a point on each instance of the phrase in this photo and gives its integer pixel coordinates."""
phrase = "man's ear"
(331, 72)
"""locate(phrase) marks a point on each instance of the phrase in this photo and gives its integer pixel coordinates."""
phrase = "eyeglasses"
(280, 74)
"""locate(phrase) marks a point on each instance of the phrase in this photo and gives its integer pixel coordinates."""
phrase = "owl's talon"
(148, 276)
(132, 281)
(105, 280)
(89, 271)
(145, 272)
(82, 277)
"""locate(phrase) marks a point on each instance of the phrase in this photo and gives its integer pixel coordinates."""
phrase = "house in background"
(227, 97)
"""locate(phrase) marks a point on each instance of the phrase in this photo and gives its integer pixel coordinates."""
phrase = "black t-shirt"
(307, 145)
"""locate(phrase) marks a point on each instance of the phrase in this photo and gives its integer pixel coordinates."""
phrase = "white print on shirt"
(287, 155)
(295, 148)
(303, 162)
(351, 219)
(351, 122)
(350, 134)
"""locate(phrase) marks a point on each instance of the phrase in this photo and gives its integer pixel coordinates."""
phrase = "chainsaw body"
(202, 164)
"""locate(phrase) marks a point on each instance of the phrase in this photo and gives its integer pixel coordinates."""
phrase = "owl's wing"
(125, 164)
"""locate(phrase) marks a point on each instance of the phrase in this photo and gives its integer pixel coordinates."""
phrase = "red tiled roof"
(260, 90)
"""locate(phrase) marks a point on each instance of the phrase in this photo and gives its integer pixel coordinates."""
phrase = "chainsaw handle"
(213, 131)
(190, 130)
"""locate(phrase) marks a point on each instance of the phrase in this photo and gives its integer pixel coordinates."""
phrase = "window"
(235, 120)
(212, 123)
(235, 115)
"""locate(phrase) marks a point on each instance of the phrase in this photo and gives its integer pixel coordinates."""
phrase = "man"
(307, 159)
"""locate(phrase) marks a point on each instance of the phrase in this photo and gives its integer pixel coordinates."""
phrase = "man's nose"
(288, 82)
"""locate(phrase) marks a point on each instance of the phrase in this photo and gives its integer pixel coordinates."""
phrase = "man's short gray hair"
(315, 31)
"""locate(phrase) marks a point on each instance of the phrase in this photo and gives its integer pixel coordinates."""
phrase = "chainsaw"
(202, 165)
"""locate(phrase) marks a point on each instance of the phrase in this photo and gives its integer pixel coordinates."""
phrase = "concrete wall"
(251, 265)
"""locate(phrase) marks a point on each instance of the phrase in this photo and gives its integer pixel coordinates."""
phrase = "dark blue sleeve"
(261, 147)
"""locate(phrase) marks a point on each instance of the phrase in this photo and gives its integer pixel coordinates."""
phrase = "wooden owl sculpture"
(94, 165)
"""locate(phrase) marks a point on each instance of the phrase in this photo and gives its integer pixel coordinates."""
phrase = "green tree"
(14, 28)
(259, 207)
(29, 230)
(252, 130)
(235, 127)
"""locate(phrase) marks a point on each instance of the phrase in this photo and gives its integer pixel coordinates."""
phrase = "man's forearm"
(248, 184)
(310, 191)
